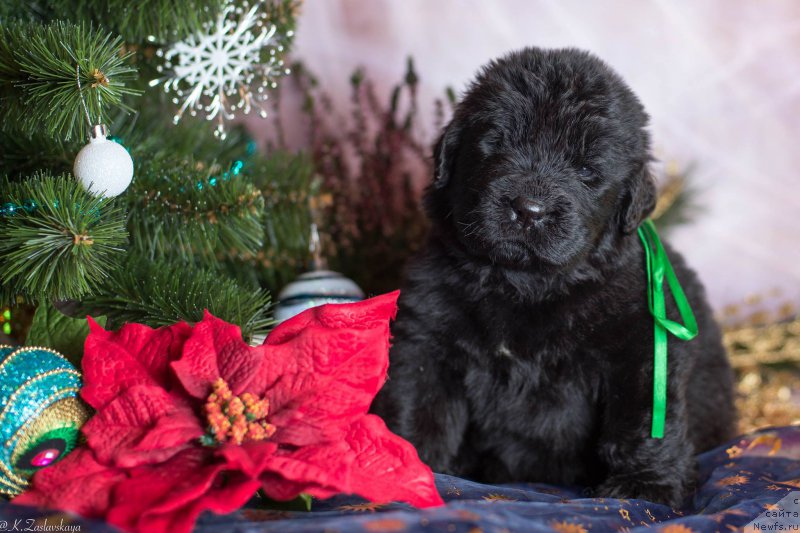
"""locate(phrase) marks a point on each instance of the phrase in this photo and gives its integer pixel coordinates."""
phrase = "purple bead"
(45, 457)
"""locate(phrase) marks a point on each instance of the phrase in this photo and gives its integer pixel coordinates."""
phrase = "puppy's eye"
(587, 174)
(489, 144)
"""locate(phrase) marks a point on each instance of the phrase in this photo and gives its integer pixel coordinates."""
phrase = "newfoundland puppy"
(523, 346)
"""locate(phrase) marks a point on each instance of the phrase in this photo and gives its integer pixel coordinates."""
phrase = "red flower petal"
(323, 368)
(170, 496)
(321, 471)
(369, 461)
(250, 458)
(134, 355)
(216, 349)
(144, 424)
(77, 483)
(387, 467)
(366, 314)
(278, 488)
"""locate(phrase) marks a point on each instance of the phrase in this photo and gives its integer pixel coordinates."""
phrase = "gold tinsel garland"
(765, 353)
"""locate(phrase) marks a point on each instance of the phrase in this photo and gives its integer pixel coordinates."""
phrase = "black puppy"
(523, 347)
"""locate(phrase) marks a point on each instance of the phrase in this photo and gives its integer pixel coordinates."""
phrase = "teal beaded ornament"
(41, 413)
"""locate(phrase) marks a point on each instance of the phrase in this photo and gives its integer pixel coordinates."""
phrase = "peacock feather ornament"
(40, 413)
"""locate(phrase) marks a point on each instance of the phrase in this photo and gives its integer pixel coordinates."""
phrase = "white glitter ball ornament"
(103, 167)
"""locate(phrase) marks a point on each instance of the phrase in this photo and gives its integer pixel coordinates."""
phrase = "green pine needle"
(288, 183)
(38, 86)
(145, 20)
(161, 292)
(66, 239)
(194, 210)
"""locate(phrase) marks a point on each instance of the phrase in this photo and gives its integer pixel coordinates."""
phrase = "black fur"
(523, 347)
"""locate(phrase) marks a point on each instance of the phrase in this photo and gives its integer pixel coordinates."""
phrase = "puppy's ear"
(444, 154)
(638, 201)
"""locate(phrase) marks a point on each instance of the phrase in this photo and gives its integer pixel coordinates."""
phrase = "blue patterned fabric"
(737, 482)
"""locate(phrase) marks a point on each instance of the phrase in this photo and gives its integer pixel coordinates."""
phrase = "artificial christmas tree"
(207, 222)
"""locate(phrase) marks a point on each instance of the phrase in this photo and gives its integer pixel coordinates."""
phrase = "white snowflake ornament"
(216, 70)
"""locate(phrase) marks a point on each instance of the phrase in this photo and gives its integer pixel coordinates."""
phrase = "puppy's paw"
(657, 490)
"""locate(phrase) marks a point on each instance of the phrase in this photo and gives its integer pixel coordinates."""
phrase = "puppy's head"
(546, 154)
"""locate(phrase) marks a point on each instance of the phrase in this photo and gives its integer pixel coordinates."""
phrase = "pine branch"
(38, 89)
(148, 134)
(287, 183)
(21, 9)
(168, 212)
(57, 238)
(23, 155)
(145, 20)
(161, 292)
(194, 210)
(158, 21)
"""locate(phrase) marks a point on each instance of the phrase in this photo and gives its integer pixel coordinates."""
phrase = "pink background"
(720, 78)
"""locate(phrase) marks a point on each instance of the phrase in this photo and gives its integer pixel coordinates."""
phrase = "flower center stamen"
(236, 419)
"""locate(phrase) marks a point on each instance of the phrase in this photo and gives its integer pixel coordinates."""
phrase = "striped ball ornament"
(316, 288)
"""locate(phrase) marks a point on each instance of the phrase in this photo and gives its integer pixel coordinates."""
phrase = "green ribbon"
(659, 267)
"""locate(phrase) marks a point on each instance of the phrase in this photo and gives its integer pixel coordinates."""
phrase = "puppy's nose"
(528, 210)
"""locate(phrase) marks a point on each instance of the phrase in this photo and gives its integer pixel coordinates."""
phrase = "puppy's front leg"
(423, 402)
(637, 465)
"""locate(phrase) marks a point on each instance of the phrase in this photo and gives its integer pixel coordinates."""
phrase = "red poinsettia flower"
(192, 419)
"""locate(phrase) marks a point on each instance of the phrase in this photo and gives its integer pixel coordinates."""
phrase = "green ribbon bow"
(658, 266)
